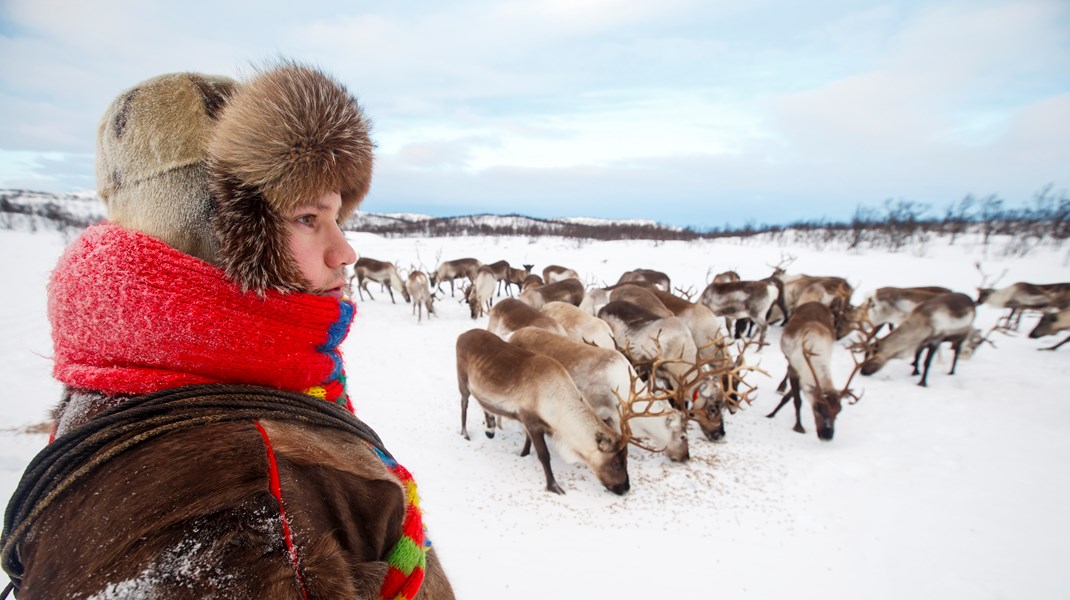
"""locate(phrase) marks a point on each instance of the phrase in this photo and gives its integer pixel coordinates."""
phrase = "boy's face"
(318, 246)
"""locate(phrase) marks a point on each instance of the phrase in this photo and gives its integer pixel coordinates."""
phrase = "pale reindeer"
(646, 277)
(567, 290)
(892, 305)
(942, 318)
(807, 343)
(419, 289)
(579, 325)
(536, 390)
(531, 281)
(608, 383)
(455, 269)
(480, 294)
(1050, 324)
(553, 273)
(384, 273)
(705, 327)
(511, 314)
(742, 300)
(644, 336)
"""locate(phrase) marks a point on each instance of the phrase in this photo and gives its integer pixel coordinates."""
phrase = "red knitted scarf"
(131, 315)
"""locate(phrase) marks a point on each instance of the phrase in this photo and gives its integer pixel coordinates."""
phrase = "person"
(206, 445)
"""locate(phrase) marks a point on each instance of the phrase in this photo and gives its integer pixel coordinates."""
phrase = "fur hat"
(288, 136)
(151, 171)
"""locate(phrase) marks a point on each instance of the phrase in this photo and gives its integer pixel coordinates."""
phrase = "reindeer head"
(610, 462)
(827, 404)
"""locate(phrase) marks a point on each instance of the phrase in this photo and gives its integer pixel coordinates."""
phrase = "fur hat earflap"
(151, 158)
(289, 136)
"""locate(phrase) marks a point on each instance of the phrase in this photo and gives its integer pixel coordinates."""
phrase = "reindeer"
(536, 390)
(501, 273)
(480, 294)
(942, 318)
(741, 299)
(807, 343)
(1050, 324)
(700, 320)
(517, 277)
(379, 271)
(455, 269)
(1022, 296)
(641, 296)
(554, 273)
(608, 382)
(892, 305)
(419, 289)
(511, 314)
(643, 336)
(567, 290)
(580, 325)
(725, 277)
(531, 281)
(646, 277)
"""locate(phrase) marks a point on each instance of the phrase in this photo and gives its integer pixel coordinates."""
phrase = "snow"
(954, 491)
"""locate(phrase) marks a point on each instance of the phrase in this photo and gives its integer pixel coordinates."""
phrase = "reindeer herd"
(600, 368)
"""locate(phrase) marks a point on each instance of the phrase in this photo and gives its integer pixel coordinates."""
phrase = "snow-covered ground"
(955, 491)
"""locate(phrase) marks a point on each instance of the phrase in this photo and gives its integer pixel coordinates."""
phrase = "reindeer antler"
(627, 411)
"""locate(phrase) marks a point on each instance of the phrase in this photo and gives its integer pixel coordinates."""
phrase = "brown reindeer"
(641, 296)
(645, 337)
(942, 318)
(1050, 324)
(419, 289)
(376, 270)
(553, 273)
(531, 281)
(455, 269)
(517, 277)
(1021, 296)
(567, 290)
(607, 381)
(807, 343)
(536, 390)
(511, 314)
(646, 277)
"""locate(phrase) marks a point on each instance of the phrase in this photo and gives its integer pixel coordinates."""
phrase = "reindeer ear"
(605, 443)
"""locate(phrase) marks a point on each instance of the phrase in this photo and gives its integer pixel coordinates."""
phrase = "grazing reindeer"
(646, 277)
(455, 269)
(607, 380)
(942, 318)
(1022, 296)
(379, 271)
(554, 273)
(1050, 324)
(641, 296)
(700, 320)
(644, 336)
(579, 325)
(807, 343)
(892, 305)
(517, 277)
(742, 299)
(480, 295)
(536, 390)
(419, 289)
(511, 314)
(833, 292)
(531, 281)
(567, 290)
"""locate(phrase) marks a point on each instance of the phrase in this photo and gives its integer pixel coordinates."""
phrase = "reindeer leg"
(489, 420)
(1056, 346)
(928, 361)
(526, 450)
(391, 290)
(364, 286)
(783, 384)
(798, 407)
(956, 345)
(464, 407)
(535, 435)
(783, 401)
(917, 359)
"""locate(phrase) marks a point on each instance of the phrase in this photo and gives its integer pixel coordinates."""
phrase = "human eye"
(306, 219)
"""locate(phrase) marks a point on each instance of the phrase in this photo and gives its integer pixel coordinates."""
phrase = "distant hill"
(29, 210)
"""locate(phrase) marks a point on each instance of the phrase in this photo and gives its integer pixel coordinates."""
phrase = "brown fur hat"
(288, 136)
(151, 171)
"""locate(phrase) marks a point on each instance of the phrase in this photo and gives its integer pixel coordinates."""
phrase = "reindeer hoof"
(923, 384)
(798, 428)
(490, 434)
(553, 487)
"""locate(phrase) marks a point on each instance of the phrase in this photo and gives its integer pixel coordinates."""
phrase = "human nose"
(341, 252)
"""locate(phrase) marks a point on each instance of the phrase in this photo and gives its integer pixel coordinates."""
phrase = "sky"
(691, 113)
